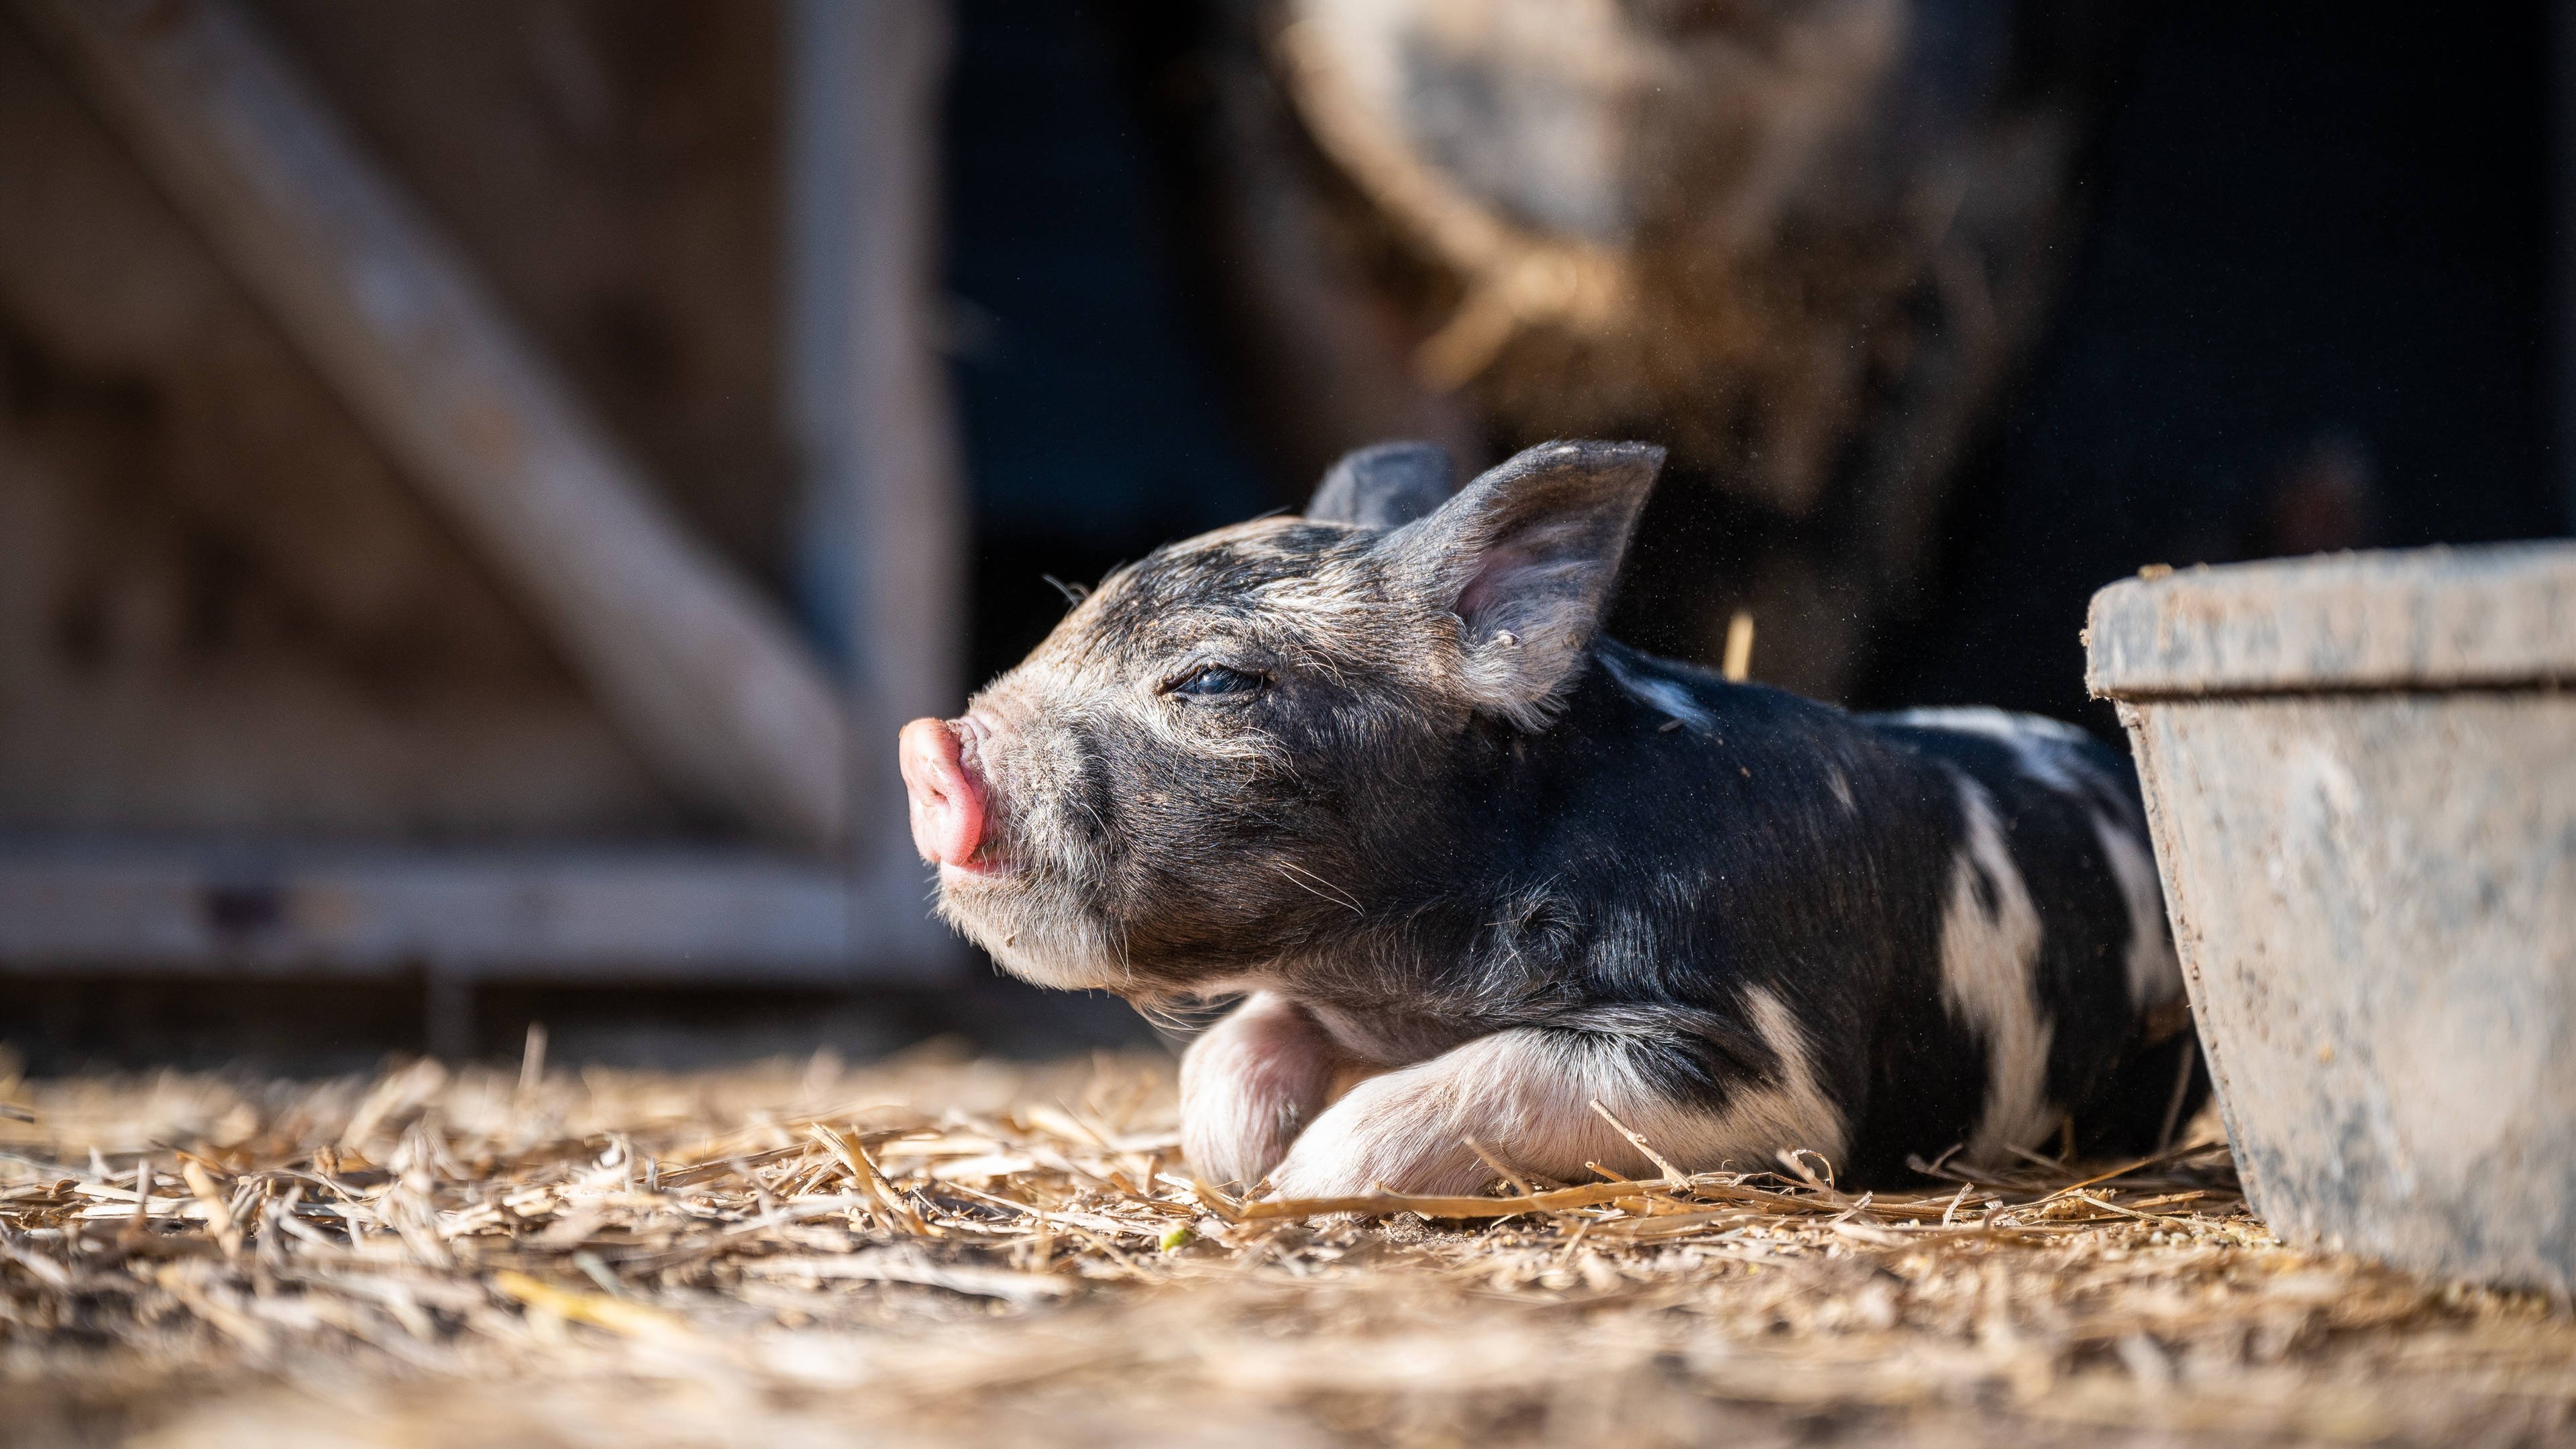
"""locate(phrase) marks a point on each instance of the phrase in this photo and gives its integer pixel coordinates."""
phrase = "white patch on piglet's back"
(2053, 753)
(1987, 957)
(1527, 1096)
(1669, 695)
(2046, 750)
(2155, 975)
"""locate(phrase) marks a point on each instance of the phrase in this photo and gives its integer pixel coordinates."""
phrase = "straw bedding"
(956, 1252)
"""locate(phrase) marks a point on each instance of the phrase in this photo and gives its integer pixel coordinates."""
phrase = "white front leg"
(1526, 1095)
(1251, 1084)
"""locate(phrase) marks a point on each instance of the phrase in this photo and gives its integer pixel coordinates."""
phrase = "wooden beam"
(710, 685)
(868, 397)
(533, 915)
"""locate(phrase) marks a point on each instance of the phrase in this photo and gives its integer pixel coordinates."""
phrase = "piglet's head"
(1218, 759)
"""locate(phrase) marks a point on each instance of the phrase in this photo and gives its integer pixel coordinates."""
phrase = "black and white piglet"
(1377, 768)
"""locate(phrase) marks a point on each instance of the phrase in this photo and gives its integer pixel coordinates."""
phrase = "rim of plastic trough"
(2487, 617)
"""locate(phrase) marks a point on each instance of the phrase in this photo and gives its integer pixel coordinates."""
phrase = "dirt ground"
(951, 1251)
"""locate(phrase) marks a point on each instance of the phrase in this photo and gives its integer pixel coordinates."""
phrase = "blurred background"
(481, 480)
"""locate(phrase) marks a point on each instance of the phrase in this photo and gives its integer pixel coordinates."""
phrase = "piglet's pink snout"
(947, 801)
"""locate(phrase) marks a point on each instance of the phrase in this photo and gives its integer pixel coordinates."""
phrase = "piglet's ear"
(1385, 485)
(1524, 556)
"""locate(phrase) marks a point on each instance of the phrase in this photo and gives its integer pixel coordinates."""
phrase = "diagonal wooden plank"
(709, 684)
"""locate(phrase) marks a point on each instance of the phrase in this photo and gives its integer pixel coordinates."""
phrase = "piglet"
(1486, 879)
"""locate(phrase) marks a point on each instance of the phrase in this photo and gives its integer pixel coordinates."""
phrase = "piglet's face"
(1205, 768)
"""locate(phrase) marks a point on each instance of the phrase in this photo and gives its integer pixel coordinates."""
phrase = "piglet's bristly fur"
(1475, 868)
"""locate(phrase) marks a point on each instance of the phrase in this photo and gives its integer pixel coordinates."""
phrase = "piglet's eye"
(1215, 681)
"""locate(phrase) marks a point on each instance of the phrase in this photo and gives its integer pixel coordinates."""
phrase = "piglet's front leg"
(1407, 1130)
(1526, 1095)
(1251, 1084)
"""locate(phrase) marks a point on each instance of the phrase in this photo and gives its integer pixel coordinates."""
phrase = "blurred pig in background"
(1801, 243)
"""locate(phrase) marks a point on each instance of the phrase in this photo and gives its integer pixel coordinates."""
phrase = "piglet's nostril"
(946, 800)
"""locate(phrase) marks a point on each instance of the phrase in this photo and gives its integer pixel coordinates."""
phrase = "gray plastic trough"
(2361, 775)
